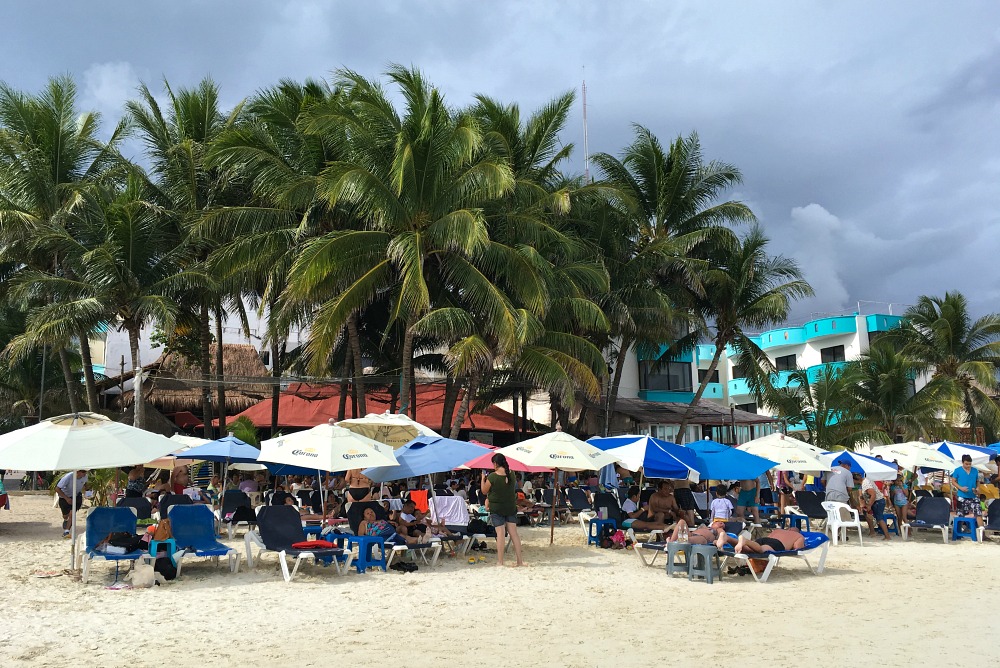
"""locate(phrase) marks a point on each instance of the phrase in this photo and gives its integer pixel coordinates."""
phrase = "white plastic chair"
(837, 525)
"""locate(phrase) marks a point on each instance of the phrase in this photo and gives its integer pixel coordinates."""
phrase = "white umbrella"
(914, 454)
(390, 428)
(326, 447)
(559, 450)
(790, 453)
(79, 441)
(175, 458)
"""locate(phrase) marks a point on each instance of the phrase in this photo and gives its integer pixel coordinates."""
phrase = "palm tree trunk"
(93, 400)
(220, 372)
(524, 412)
(407, 366)
(413, 393)
(275, 386)
(463, 408)
(74, 404)
(354, 340)
(719, 346)
(617, 380)
(517, 436)
(450, 395)
(342, 404)
(138, 400)
(204, 359)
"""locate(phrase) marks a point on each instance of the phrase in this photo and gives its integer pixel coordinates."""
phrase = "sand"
(920, 602)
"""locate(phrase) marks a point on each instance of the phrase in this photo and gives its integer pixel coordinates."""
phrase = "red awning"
(303, 406)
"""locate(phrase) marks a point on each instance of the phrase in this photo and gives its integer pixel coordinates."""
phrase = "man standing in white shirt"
(64, 489)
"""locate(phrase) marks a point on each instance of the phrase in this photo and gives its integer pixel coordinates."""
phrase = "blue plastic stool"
(963, 527)
(795, 521)
(673, 550)
(596, 525)
(171, 548)
(366, 548)
(891, 523)
(705, 563)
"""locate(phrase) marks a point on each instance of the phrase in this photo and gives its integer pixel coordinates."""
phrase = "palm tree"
(282, 162)
(176, 145)
(824, 407)
(663, 212)
(49, 154)
(941, 337)
(885, 396)
(744, 288)
(418, 182)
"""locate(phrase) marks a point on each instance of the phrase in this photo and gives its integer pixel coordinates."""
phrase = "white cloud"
(106, 87)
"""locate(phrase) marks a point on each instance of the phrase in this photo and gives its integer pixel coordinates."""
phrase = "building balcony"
(668, 396)
(738, 386)
(818, 329)
(882, 323)
(816, 371)
(704, 353)
(790, 336)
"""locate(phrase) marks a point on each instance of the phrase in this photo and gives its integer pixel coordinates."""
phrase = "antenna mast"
(586, 145)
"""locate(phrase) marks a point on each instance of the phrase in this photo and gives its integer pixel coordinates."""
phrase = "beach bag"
(165, 567)
(618, 540)
(163, 531)
(478, 526)
(123, 539)
(607, 537)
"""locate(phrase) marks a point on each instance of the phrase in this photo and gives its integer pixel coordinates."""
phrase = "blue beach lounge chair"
(194, 535)
(932, 513)
(814, 541)
(279, 528)
(101, 522)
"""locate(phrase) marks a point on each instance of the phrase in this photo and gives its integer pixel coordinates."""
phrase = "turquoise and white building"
(815, 345)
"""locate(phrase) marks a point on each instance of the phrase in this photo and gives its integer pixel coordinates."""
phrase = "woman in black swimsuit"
(359, 487)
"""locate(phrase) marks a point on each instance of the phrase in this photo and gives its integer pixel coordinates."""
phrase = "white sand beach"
(915, 603)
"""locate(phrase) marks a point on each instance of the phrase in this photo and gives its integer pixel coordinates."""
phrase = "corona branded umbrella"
(390, 428)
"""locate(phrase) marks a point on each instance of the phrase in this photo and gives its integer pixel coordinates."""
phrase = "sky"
(866, 133)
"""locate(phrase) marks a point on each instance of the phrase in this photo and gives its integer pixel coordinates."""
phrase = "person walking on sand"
(500, 488)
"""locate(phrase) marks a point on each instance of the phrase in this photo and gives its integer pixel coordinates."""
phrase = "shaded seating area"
(237, 510)
(279, 528)
(194, 536)
(389, 549)
(933, 514)
(101, 522)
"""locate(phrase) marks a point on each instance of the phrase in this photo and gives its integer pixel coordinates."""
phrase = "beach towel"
(313, 544)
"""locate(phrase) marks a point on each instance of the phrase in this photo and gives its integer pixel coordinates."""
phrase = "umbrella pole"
(552, 510)
(322, 500)
(222, 494)
(72, 528)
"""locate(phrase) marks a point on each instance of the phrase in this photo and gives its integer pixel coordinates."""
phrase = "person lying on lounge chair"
(371, 526)
(412, 522)
(703, 535)
(636, 517)
(779, 540)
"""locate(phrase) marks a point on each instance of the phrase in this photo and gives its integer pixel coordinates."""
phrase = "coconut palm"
(941, 337)
(49, 154)
(418, 182)
(177, 142)
(885, 393)
(822, 408)
(744, 289)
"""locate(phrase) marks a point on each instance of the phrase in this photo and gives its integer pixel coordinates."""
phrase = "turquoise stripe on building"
(667, 396)
(818, 329)
(882, 323)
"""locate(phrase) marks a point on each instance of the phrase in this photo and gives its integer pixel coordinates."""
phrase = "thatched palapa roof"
(175, 385)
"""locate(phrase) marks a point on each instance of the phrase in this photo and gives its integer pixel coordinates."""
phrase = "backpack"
(607, 536)
(129, 541)
(618, 540)
(477, 525)
(163, 531)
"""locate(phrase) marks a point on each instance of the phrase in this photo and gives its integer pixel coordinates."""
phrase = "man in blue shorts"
(965, 480)
(748, 501)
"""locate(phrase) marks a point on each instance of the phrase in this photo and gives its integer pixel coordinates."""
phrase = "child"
(900, 499)
(721, 507)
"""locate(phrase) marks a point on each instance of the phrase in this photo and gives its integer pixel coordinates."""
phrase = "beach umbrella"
(915, 454)
(177, 458)
(559, 451)
(484, 461)
(790, 454)
(425, 455)
(79, 441)
(392, 429)
(716, 461)
(326, 447)
(869, 467)
(658, 459)
(228, 450)
(979, 454)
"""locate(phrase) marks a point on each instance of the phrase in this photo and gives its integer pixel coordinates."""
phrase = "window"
(704, 372)
(786, 363)
(749, 408)
(668, 432)
(669, 376)
(832, 354)
(738, 372)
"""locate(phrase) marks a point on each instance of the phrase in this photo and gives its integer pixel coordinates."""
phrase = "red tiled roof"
(303, 405)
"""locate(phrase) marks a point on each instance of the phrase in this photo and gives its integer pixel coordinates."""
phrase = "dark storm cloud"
(867, 133)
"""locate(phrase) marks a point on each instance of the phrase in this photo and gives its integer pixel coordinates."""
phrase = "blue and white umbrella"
(979, 454)
(870, 467)
(658, 459)
(425, 455)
